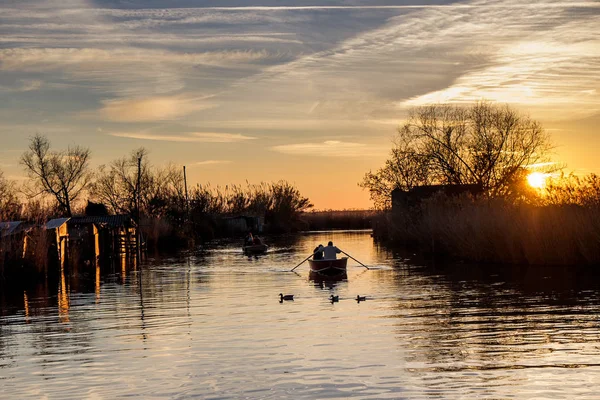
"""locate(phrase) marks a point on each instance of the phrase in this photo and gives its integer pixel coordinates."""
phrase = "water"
(208, 324)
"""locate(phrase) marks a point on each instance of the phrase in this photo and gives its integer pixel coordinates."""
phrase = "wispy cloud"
(131, 71)
(458, 53)
(151, 108)
(209, 162)
(23, 85)
(207, 137)
(45, 59)
(330, 148)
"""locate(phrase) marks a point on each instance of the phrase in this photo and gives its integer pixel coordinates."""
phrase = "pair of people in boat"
(250, 240)
(328, 252)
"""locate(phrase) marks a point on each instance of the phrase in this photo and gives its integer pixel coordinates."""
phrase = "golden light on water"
(537, 179)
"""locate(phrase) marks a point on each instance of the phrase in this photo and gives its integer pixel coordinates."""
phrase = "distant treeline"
(62, 184)
(343, 219)
(171, 214)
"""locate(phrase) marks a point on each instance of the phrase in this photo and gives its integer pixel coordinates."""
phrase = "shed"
(13, 243)
(11, 228)
(60, 237)
(112, 234)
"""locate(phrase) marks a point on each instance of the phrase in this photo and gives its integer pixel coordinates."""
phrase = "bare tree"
(10, 206)
(161, 190)
(64, 175)
(117, 184)
(484, 144)
(404, 169)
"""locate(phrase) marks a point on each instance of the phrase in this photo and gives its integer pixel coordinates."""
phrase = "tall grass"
(343, 219)
(497, 231)
(172, 222)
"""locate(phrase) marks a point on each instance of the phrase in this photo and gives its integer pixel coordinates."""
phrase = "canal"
(208, 324)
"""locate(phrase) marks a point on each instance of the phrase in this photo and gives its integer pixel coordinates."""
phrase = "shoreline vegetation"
(496, 231)
(169, 212)
(489, 149)
(462, 176)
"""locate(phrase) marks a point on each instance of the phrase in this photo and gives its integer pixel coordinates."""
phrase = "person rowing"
(329, 252)
(318, 252)
(249, 239)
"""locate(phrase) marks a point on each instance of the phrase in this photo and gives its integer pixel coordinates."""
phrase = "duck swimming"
(361, 298)
(334, 299)
(285, 297)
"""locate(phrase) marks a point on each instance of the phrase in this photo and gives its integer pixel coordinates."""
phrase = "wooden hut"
(106, 235)
(58, 246)
(13, 243)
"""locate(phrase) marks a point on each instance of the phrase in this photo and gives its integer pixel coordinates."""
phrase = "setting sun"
(537, 180)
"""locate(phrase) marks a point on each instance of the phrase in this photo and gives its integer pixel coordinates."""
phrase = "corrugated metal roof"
(9, 227)
(55, 223)
(113, 221)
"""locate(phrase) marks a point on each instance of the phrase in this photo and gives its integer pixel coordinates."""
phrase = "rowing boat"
(255, 249)
(329, 267)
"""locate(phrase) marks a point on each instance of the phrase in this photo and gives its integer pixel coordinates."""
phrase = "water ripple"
(209, 325)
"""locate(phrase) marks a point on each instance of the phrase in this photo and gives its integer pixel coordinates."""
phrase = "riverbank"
(496, 231)
(163, 233)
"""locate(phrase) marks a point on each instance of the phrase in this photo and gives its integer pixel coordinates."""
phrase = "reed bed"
(342, 219)
(496, 231)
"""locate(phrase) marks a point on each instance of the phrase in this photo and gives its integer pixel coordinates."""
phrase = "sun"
(537, 180)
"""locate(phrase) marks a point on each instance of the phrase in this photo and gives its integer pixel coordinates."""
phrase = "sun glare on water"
(537, 180)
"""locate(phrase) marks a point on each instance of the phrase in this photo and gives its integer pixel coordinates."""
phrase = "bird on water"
(285, 297)
(334, 299)
(360, 298)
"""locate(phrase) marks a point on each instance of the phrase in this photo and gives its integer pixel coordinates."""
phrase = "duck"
(334, 299)
(285, 297)
(361, 298)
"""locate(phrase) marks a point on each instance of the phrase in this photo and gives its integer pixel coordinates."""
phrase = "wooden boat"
(255, 249)
(329, 267)
(327, 280)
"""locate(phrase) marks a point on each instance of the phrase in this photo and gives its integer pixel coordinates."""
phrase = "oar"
(302, 262)
(354, 259)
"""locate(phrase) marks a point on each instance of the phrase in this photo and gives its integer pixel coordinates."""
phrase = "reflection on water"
(63, 298)
(209, 324)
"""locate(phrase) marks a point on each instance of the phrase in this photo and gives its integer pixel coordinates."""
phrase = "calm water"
(209, 325)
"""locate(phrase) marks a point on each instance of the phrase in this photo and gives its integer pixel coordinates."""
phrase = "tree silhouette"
(64, 175)
(483, 144)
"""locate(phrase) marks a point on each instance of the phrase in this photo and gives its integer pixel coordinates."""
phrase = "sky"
(307, 91)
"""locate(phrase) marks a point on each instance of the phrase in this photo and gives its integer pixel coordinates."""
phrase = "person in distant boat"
(318, 252)
(330, 252)
(249, 240)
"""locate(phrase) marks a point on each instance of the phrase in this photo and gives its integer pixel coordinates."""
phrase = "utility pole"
(187, 202)
(137, 200)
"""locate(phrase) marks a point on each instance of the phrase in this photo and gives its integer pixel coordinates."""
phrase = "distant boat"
(329, 267)
(255, 249)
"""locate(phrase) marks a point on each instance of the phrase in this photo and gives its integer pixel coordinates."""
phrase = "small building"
(88, 239)
(103, 236)
(13, 242)
(13, 228)
(58, 246)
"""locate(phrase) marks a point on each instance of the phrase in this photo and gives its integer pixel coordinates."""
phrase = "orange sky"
(304, 91)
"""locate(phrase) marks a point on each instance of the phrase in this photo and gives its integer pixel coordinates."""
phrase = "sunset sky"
(307, 91)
